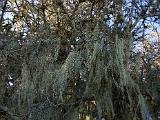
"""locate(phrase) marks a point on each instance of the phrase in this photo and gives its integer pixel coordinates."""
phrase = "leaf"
(12, 1)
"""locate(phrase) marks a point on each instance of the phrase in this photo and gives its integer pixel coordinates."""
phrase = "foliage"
(74, 60)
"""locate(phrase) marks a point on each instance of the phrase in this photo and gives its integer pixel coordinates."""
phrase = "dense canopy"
(79, 59)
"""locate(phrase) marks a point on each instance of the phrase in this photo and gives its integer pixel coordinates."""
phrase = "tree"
(70, 59)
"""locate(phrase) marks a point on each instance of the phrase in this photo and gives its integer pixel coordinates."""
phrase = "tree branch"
(3, 11)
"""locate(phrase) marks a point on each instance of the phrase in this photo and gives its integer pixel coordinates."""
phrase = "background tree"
(75, 59)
